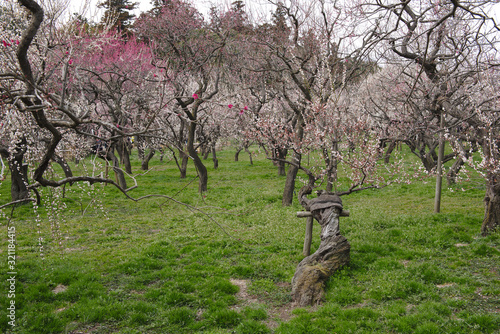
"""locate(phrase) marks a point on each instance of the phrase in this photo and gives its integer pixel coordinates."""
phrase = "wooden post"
(309, 234)
(309, 228)
(437, 197)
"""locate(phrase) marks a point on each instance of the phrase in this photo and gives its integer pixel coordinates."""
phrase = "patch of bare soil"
(87, 330)
(60, 288)
(276, 315)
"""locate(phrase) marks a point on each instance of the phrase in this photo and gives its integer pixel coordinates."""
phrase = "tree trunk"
(214, 158)
(451, 176)
(290, 180)
(124, 153)
(205, 152)
(280, 153)
(200, 167)
(237, 154)
(18, 171)
(146, 159)
(120, 176)
(387, 156)
(64, 165)
(184, 162)
(19, 180)
(249, 155)
(491, 219)
(333, 253)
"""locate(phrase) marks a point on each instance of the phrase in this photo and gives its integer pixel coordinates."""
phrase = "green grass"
(159, 267)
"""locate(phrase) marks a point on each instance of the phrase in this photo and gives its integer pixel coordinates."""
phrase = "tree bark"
(64, 165)
(214, 158)
(290, 180)
(249, 155)
(205, 152)
(388, 153)
(333, 253)
(120, 176)
(200, 167)
(451, 176)
(491, 219)
(18, 171)
(280, 153)
(124, 153)
(184, 162)
(146, 159)
(237, 154)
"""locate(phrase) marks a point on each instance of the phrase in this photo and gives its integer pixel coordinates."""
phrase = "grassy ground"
(115, 266)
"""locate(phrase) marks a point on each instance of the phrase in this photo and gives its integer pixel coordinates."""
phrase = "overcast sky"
(257, 6)
(257, 9)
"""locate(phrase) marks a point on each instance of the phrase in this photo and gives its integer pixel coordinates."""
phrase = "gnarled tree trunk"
(64, 165)
(146, 159)
(120, 175)
(18, 171)
(123, 150)
(200, 167)
(237, 154)
(491, 219)
(308, 283)
(290, 180)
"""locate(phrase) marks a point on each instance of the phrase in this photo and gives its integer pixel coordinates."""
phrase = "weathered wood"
(308, 283)
(308, 239)
(305, 214)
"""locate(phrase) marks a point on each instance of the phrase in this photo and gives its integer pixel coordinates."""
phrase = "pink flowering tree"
(121, 90)
(58, 103)
(193, 56)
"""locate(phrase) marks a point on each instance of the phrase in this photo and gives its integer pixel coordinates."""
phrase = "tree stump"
(334, 251)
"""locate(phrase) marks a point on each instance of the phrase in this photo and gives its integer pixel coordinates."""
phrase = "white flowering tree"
(453, 47)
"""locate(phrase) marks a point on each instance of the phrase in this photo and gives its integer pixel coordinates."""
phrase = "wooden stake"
(308, 239)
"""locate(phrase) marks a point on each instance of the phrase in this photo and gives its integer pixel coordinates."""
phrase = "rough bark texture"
(280, 154)
(451, 176)
(124, 153)
(64, 165)
(334, 251)
(491, 220)
(18, 171)
(120, 176)
(290, 180)
(390, 149)
(184, 163)
(214, 158)
(146, 159)
(237, 154)
(19, 180)
(200, 167)
(249, 155)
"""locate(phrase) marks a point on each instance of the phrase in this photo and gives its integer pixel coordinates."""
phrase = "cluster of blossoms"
(7, 44)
